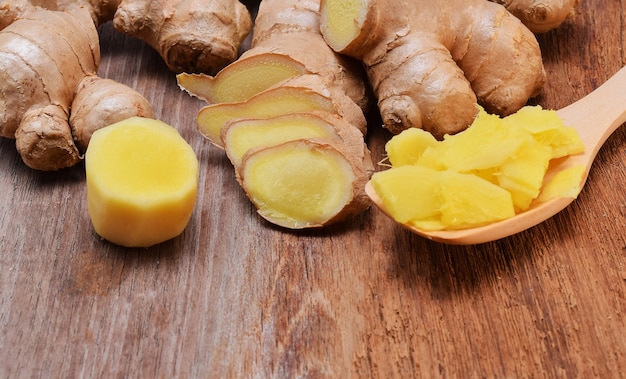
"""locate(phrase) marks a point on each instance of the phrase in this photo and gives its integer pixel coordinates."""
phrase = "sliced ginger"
(300, 170)
(271, 103)
(306, 93)
(487, 173)
(142, 180)
(242, 79)
(287, 98)
(303, 183)
(242, 135)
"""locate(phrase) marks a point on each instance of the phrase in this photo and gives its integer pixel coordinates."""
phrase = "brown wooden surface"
(237, 297)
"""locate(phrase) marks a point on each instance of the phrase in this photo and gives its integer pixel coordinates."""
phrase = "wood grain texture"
(237, 297)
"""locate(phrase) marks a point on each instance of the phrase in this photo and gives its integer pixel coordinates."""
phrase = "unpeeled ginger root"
(142, 180)
(51, 100)
(487, 173)
(430, 62)
(190, 35)
(62, 51)
(540, 16)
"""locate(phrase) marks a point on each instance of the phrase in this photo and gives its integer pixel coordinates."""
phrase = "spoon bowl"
(595, 117)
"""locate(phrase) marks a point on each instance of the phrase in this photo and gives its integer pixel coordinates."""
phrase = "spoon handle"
(597, 115)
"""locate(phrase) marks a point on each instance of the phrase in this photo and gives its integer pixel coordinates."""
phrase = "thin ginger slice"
(303, 183)
(241, 135)
(306, 93)
(242, 79)
(142, 180)
(271, 103)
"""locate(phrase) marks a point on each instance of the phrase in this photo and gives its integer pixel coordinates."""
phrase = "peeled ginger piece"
(142, 180)
(433, 200)
(491, 171)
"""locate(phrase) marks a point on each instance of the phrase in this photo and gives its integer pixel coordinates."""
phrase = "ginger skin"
(430, 62)
(52, 100)
(37, 97)
(190, 35)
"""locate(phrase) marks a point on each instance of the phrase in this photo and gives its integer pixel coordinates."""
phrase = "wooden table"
(237, 297)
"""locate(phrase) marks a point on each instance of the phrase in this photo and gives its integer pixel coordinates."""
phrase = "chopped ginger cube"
(522, 174)
(486, 144)
(546, 127)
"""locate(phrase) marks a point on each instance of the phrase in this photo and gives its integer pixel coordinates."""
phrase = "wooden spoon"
(595, 117)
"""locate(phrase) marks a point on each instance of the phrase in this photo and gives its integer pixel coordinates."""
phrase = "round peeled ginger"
(142, 180)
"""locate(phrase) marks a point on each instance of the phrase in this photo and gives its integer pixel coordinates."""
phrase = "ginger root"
(190, 35)
(47, 59)
(540, 16)
(51, 99)
(430, 62)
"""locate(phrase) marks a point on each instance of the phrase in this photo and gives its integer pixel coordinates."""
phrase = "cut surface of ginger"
(491, 171)
(142, 179)
(242, 135)
(273, 102)
(298, 184)
(345, 18)
(242, 79)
